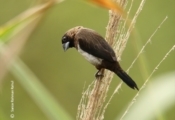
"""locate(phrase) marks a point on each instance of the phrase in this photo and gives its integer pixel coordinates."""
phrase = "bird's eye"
(64, 39)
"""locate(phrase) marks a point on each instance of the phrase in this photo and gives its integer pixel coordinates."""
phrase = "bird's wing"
(94, 44)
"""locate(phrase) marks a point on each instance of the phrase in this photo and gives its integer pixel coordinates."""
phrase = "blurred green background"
(64, 74)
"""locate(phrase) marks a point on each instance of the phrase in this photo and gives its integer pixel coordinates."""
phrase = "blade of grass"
(11, 28)
(52, 109)
(143, 86)
(159, 96)
(17, 31)
(9, 52)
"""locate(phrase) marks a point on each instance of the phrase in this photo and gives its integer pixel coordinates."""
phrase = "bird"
(95, 49)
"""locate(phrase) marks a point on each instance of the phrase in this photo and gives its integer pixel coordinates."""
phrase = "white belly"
(92, 59)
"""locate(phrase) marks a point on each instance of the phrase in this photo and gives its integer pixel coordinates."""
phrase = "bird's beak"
(66, 46)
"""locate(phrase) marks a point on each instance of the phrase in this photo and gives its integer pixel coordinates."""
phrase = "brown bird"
(95, 50)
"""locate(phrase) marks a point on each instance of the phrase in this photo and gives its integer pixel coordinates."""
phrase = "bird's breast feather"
(89, 57)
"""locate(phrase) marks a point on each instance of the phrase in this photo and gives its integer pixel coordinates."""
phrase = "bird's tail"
(126, 78)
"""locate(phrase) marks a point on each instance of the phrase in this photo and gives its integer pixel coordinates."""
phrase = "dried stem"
(141, 51)
(148, 41)
(91, 106)
(96, 92)
(134, 99)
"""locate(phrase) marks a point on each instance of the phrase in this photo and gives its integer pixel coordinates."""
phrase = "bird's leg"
(99, 73)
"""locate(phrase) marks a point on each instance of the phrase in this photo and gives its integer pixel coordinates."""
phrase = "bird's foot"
(99, 74)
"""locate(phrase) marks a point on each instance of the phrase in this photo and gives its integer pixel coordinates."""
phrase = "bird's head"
(67, 42)
(68, 39)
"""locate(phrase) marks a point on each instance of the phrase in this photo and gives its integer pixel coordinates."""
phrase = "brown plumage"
(96, 50)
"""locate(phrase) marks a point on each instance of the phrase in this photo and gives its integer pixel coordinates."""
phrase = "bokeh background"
(64, 74)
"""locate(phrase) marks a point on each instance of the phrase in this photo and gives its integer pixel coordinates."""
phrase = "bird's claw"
(98, 74)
